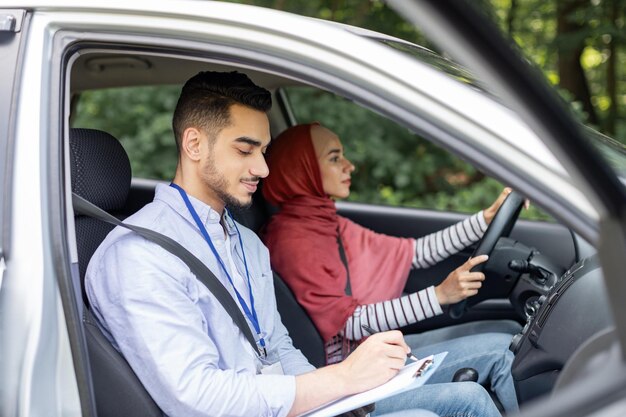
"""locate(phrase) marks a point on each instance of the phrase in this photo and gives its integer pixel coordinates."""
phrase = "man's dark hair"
(206, 98)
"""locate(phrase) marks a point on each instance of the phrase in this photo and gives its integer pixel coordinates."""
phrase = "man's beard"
(218, 184)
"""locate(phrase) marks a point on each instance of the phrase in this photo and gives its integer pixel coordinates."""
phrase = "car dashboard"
(574, 309)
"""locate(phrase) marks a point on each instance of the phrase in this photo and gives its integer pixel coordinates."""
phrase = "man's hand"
(461, 283)
(375, 361)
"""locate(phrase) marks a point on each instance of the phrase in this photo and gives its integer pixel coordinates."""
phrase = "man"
(177, 337)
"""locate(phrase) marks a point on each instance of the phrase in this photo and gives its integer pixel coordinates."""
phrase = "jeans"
(430, 337)
(411, 413)
(457, 399)
(488, 353)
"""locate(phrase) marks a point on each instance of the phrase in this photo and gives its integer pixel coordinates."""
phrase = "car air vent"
(553, 298)
(559, 288)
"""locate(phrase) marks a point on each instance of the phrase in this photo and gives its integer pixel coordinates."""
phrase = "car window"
(141, 118)
(613, 152)
(393, 165)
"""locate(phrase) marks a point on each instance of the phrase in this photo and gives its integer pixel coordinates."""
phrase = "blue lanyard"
(249, 311)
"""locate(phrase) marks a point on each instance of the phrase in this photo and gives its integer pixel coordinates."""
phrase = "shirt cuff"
(434, 302)
(279, 392)
(481, 221)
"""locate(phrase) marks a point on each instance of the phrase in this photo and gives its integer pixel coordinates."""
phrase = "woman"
(307, 171)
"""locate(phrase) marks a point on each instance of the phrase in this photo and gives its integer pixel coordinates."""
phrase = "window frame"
(11, 45)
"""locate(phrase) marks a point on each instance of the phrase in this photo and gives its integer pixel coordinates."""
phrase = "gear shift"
(465, 374)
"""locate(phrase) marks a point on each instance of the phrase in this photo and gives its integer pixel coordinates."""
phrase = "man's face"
(235, 161)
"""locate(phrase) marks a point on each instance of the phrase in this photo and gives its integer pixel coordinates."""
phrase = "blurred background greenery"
(578, 44)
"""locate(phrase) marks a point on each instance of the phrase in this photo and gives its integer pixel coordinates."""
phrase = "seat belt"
(200, 270)
(342, 255)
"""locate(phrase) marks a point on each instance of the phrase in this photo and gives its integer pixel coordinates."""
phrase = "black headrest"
(100, 168)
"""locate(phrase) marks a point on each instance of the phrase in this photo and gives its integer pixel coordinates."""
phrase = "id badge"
(271, 365)
(273, 369)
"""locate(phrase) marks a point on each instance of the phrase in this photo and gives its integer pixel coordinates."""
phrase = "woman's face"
(334, 167)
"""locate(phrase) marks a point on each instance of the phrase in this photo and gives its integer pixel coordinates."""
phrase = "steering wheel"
(500, 226)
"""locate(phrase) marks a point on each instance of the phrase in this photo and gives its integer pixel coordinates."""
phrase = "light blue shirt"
(179, 340)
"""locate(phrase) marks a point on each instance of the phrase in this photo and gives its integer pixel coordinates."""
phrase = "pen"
(372, 331)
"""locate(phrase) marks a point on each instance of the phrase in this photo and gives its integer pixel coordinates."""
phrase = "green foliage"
(394, 166)
(601, 23)
(141, 118)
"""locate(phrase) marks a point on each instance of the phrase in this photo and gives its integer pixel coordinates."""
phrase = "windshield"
(611, 150)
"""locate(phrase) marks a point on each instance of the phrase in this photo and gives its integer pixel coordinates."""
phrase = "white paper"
(403, 381)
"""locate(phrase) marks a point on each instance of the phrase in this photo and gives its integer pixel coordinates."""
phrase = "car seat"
(302, 331)
(101, 174)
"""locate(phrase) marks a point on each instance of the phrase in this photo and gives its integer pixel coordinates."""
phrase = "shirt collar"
(231, 229)
(207, 215)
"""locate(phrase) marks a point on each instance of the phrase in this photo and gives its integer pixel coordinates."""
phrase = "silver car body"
(36, 361)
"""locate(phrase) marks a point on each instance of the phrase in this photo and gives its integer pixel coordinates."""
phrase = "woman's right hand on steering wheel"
(461, 283)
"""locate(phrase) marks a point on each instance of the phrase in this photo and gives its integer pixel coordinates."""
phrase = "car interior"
(551, 298)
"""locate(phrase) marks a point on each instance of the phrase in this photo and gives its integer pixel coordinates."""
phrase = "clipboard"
(413, 375)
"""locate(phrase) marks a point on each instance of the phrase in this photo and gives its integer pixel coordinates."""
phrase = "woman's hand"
(490, 212)
(461, 283)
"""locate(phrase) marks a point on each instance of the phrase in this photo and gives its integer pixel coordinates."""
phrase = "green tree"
(143, 124)
(579, 46)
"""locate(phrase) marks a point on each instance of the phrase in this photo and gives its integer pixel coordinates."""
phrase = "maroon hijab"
(302, 239)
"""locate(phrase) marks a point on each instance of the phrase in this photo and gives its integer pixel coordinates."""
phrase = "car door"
(10, 36)
(11, 22)
(36, 366)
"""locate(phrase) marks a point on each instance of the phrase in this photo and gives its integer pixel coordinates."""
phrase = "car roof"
(105, 70)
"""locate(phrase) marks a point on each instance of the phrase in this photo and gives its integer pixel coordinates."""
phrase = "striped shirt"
(414, 307)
